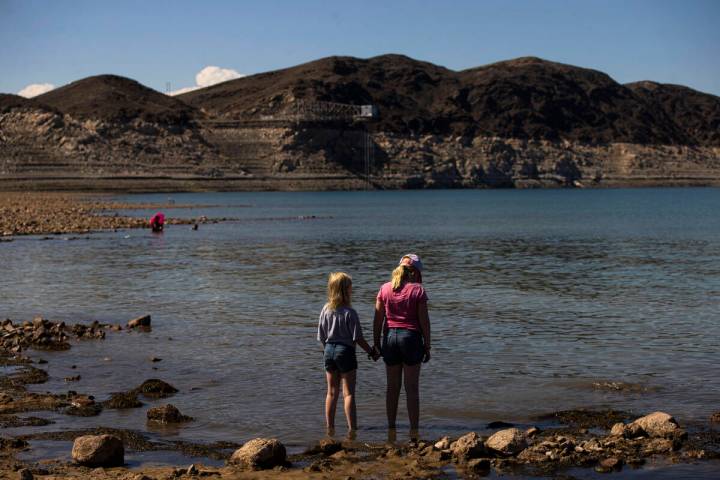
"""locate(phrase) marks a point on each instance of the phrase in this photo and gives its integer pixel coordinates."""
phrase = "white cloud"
(209, 75)
(35, 89)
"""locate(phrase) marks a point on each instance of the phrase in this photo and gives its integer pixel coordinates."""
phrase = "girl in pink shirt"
(402, 305)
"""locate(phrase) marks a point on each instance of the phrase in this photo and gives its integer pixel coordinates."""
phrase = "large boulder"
(260, 453)
(510, 441)
(154, 388)
(98, 451)
(166, 414)
(143, 321)
(658, 424)
(470, 445)
(123, 400)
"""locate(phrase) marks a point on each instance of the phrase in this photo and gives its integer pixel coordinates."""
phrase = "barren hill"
(696, 113)
(102, 126)
(523, 98)
(525, 122)
(115, 98)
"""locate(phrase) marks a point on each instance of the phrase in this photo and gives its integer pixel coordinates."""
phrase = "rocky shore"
(54, 213)
(604, 441)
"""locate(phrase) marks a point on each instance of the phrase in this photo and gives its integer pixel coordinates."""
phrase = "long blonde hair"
(338, 290)
(400, 275)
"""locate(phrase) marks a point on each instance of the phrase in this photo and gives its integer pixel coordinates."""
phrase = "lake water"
(535, 296)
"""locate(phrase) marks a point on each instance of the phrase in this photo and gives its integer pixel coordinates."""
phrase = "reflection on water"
(534, 296)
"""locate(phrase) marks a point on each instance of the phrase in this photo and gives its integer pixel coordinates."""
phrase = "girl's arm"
(424, 321)
(364, 345)
(322, 334)
(377, 322)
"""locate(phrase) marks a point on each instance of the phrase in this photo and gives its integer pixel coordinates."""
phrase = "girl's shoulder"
(341, 310)
(347, 310)
(385, 288)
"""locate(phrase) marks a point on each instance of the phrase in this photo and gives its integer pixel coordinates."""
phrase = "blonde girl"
(339, 330)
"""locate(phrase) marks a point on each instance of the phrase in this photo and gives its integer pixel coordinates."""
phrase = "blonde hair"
(338, 290)
(400, 275)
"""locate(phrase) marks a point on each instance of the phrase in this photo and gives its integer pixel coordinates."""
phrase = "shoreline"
(57, 213)
(581, 439)
(309, 183)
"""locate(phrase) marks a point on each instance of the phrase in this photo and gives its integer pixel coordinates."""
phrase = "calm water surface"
(534, 297)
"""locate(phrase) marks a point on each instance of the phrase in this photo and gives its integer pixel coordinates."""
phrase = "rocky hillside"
(696, 113)
(102, 126)
(112, 98)
(522, 122)
(525, 98)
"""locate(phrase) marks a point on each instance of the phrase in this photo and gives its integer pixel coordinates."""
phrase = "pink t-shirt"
(401, 306)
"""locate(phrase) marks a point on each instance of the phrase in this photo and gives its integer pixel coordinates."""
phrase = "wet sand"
(55, 213)
(604, 441)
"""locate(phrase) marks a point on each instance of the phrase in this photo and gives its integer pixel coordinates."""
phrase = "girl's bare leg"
(412, 394)
(333, 391)
(392, 394)
(348, 383)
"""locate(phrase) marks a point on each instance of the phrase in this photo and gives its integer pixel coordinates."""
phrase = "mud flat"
(54, 213)
(567, 441)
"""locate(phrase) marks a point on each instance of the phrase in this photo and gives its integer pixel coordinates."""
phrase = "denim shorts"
(340, 357)
(403, 345)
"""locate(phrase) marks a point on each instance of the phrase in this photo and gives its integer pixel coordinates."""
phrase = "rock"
(83, 406)
(14, 443)
(140, 476)
(634, 431)
(507, 442)
(478, 465)
(98, 451)
(166, 414)
(607, 465)
(618, 430)
(74, 378)
(143, 321)
(495, 425)
(443, 443)
(468, 446)
(715, 417)
(25, 474)
(122, 400)
(658, 445)
(5, 398)
(260, 453)
(154, 388)
(155, 359)
(657, 424)
(192, 470)
(532, 431)
(326, 446)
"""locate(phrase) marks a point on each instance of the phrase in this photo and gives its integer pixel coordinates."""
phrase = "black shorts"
(403, 345)
(340, 357)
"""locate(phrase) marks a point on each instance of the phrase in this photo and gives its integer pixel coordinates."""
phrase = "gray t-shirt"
(339, 326)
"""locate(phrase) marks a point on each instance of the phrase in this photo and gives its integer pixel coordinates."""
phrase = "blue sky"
(155, 42)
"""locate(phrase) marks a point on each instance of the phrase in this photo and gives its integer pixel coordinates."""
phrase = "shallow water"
(534, 297)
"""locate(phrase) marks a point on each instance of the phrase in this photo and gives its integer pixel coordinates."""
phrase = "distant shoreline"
(305, 183)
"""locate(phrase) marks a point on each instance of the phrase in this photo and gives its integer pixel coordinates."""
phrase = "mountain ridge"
(524, 122)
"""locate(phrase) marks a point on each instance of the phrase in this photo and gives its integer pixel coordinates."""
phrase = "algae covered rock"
(98, 451)
(260, 453)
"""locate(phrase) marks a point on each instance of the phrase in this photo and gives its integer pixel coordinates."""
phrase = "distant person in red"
(401, 318)
(157, 222)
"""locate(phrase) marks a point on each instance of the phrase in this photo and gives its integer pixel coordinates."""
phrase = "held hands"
(426, 357)
(374, 354)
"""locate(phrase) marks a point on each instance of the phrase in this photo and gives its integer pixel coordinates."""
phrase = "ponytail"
(400, 275)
